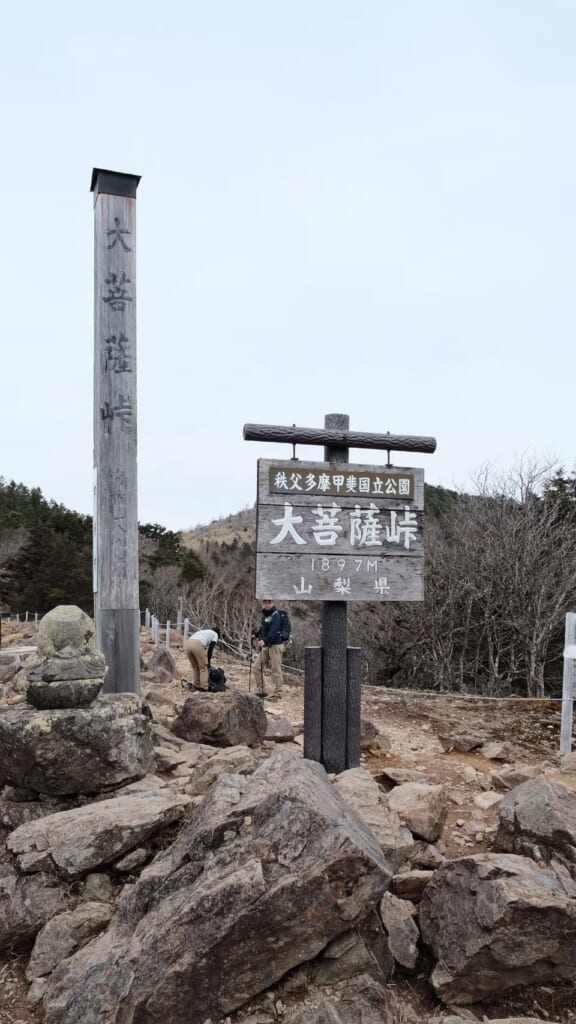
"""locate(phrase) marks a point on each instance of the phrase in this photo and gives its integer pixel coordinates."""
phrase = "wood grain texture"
(338, 438)
(117, 637)
(334, 671)
(348, 470)
(116, 597)
(313, 703)
(335, 529)
(291, 577)
(353, 706)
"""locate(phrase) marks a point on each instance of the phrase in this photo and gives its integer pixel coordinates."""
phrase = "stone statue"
(67, 671)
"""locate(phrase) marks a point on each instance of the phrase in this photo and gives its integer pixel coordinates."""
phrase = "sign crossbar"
(339, 438)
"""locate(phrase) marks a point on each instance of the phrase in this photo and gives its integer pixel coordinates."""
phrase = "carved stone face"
(64, 630)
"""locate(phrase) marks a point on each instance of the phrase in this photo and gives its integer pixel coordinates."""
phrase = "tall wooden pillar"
(115, 550)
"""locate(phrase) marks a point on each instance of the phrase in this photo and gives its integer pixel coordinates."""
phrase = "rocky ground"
(476, 748)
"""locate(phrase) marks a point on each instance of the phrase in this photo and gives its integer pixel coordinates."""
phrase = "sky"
(352, 206)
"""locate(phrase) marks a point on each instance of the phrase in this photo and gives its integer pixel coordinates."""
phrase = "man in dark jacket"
(271, 647)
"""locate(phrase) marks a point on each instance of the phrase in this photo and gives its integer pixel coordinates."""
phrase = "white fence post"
(147, 618)
(568, 683)
(168, 635)
(179, 615)
(186, 630)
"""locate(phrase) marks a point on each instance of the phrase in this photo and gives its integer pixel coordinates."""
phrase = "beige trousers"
(269, 657)
(197, 655)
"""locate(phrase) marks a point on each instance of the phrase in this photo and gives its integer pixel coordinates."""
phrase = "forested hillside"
(46, 553)
(499, 579)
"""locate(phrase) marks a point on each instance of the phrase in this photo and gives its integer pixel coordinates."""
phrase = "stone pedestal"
(63, 751)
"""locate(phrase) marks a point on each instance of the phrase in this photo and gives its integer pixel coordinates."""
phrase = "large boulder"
(75, 750)
(77, 841)
(495, 922)
(221, 719)
(538, 819)
(271, 867)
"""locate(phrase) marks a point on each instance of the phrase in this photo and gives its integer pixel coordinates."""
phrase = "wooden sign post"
(337, 532)
(115, 544)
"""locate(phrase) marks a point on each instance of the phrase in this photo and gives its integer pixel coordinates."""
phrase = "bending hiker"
(270, 638)
(199, 650)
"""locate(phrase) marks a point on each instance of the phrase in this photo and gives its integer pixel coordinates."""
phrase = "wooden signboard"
(330, 532)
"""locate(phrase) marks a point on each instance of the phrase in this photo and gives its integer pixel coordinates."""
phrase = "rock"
(221, 719)
(360, 1001)
(507, 778)
(162, 659)
(495, 922)
(523, 1020)
(425, 855)
(240, 760)
(76, 750)
(422, 808)
(26, 904)
(497, 751)
(279, 729)
(9, 668)
(97, 886)
(487, 799)
(67, 671)
(133, 860)
(167, 760)
(64, 934)
(155, 696)
(462, 742)
(402, 931)
(163, 737)
(538, 819)
(36, 991)
(469, 774)
(142, 785)
(357, 787)
(271, 867)
(396, 776)
(12, 815)
(372, 738)
(364, 950)
(76, 841)
(409, 885)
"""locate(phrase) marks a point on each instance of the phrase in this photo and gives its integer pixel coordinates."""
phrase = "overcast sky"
(358, 206)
